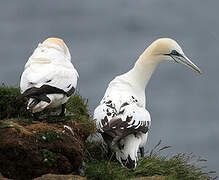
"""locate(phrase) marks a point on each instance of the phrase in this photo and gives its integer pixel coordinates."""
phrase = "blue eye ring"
(175, 53)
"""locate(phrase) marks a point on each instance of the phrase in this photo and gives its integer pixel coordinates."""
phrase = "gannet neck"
(141, 73)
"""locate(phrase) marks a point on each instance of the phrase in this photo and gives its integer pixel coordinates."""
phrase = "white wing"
(37, 75)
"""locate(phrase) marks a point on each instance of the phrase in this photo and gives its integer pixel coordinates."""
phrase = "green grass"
(49, 157)
(177, 167)
(56, 119)
(4, 125)
(77, 111)
(48, 136)
(10, 106)
(78, 108)
(99, 166)
(77, 105)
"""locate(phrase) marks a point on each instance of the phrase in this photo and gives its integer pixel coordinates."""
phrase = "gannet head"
(57, 44)
(51, 50)
(56, 41)
(166, 49)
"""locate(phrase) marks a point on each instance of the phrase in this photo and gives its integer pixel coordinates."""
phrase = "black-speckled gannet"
(121, 116)
(49, 77)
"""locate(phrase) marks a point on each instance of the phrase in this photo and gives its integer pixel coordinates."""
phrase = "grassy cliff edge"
(50, 143)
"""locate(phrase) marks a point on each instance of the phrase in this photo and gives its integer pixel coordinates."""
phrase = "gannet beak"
(184, 60)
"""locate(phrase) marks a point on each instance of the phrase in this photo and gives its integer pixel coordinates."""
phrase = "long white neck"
(141, 73)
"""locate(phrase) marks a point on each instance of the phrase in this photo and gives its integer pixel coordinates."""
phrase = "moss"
(48, 157)
(77, 111)
(78, 108)
(87, 125)
(10, 106)
(56, 119)
(6, 125)
(49, 136)
(95, 151)
(9, 125)
(99, 166)
(77, 105)
(22, 120)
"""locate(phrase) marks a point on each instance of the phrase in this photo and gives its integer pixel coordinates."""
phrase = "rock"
(59, 177)
(3, 178)
(29, 151)
(30, 148)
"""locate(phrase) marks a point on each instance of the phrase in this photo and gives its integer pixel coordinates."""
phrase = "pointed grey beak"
(184, 60)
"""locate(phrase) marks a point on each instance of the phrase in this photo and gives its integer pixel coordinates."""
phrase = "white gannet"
(121, 116)
(49, 77)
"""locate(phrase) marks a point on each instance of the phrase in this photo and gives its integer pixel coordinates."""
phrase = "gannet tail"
(128, 149)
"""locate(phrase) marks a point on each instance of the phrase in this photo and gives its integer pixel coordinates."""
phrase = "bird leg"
(120, 145)
(63, 110)
(112, 154)
(35, 116)
(141, 151)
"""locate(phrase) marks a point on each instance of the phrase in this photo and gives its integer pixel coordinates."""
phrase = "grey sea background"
(105, 39)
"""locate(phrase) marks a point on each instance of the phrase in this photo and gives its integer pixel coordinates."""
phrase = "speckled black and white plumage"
(123, 121)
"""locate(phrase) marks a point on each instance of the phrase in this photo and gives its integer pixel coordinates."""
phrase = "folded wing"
(119, 122)
(63, 78)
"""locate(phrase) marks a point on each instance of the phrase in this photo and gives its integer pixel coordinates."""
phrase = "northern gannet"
(49, 77)
(121, 116)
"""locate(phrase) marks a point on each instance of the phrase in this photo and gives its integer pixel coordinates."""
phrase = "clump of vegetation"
(48, 157)
(77, 105)
(49, 136)
(78, 108)
(22, 121)
(14, 109)
(99, 164)
(10, 106)
(38, 142)
(180, 166)
(8, 125)
(56, 119)
(95, 150)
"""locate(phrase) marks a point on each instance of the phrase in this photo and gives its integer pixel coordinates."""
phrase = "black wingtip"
(129, 163)
(20, 97)
(33, 103)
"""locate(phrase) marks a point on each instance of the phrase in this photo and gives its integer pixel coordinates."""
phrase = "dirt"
(150, 178)
(29, 151)
(60, 177)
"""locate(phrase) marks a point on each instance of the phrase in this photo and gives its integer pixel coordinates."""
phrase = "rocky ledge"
(31, 147)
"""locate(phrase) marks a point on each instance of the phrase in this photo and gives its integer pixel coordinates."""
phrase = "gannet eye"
(175, 53)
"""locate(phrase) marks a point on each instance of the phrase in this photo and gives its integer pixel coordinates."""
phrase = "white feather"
(49, 65)
(131, 146)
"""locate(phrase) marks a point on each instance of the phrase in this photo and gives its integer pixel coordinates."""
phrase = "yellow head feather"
(163, 46)
(57, 41)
